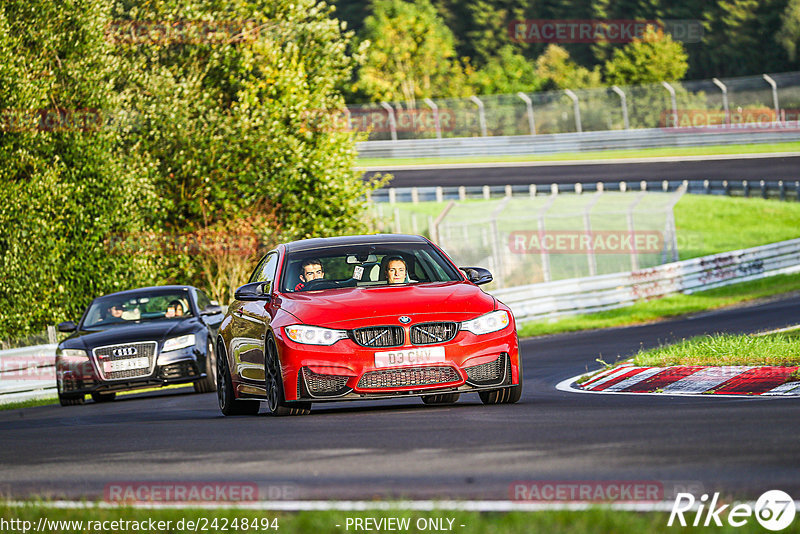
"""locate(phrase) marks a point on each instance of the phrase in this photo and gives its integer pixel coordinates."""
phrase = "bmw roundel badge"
(405, 319)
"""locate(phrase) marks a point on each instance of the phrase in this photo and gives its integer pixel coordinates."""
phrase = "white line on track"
(355, 506)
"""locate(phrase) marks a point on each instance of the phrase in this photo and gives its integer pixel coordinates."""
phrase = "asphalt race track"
(401, 448)
(786, 168)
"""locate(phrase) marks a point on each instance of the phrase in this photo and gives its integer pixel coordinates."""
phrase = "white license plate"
(395, 358)
(124, 365)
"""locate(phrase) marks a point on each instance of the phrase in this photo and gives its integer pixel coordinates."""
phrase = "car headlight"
(73, 355)
(314, 335)
(491, 322)
(177, 343)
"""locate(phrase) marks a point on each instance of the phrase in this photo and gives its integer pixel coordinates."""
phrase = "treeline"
(719, 38)
(152, 142)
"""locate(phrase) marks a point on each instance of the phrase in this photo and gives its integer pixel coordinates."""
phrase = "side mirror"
(213, 309)
(67, 326)
(477, 275)
(253, 291)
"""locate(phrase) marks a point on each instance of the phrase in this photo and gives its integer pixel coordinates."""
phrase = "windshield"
(365, 266)
(116, 309)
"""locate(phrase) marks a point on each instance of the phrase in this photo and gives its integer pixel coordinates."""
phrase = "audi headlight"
(485, 324)
(314, 335)
(177, 343)
(73, 355)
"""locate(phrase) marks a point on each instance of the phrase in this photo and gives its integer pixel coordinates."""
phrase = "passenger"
(311, 270)
(174, 309)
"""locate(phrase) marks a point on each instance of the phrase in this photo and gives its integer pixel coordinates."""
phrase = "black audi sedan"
(140, 338)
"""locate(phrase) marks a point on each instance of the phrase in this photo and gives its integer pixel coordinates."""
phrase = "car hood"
(157, 330)
(355, 307)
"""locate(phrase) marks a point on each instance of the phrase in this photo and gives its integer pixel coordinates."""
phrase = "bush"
(215, 138)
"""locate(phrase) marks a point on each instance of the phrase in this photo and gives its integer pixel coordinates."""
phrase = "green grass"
(725, 349)
(45, 401)
(590, 155)
(593, 521)
(669, 306)
(712, 224)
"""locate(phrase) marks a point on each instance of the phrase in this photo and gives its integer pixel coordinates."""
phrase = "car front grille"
(127, 351)
(182, 369)
(379, 336)
(430, 333)
(488, 373)
(322, 385)
(415, 376)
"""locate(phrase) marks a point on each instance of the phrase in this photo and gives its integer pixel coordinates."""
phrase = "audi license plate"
(124, 365)
(395, 358)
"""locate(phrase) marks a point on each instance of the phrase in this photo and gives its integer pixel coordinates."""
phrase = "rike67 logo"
(774, 510)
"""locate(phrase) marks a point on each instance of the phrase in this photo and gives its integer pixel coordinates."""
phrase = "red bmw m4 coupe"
(364, 317)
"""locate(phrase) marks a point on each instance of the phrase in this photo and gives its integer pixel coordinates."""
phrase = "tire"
(65, 399)
(228, 404)
(209, 383)
(276, 400)
(103, 397)
(441, 399)
(508, 395)
(70, 400)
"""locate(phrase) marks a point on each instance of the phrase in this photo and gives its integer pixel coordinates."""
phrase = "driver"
(396, 270)
(311, 269)
(112, 314)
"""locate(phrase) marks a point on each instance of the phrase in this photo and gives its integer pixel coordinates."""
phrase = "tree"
(68, 181)
(506, 73)
(221, 102)
(561, 72)
(410, 54)
(234, 121)
(653, 58)
(789, 35)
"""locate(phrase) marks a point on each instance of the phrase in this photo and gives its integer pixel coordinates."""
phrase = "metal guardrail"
(605, 292)
(577, 142)
(27, 372)
(776, 189)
